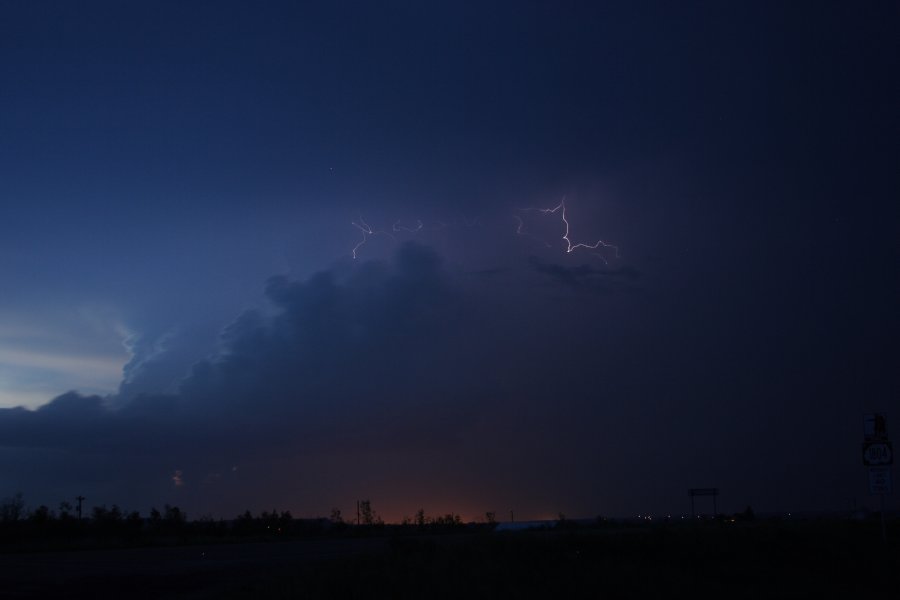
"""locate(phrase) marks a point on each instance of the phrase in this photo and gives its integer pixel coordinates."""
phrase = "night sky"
(183, 185)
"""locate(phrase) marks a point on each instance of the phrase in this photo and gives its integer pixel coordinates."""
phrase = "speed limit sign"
(877, 454)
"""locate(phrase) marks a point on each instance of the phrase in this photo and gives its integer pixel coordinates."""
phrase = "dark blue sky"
(160, 163)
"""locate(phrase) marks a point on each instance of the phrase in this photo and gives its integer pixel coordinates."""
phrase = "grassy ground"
(809, 559)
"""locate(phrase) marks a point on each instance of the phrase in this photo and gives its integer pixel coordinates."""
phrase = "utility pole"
(357, 512)
(80, 500)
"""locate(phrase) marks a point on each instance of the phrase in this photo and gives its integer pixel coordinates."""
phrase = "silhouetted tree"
(65, 510)
(41, 516)
(111, 515)
(273, 522)
(155, 518)
(206, 525)
(448, 520)
(420, 517)
(106, 521)
(244, 524)
(134, 522)
(366, 513)
(12, 509)
(336, 517)
(490, 517)
(174, 516)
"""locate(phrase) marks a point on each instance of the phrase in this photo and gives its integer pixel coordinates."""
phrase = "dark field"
(810, 559)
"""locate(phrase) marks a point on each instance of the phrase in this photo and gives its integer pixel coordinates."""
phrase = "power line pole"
(80, 500)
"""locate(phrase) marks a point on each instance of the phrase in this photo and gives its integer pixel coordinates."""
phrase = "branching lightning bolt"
(398, 227)
(367, 232)
(570, 247)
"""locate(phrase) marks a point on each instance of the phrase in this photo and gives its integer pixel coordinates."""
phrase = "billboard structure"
(714, 492)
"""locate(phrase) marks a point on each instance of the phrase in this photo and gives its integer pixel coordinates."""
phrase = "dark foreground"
(811, 559)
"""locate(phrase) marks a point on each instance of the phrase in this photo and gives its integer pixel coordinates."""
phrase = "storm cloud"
(384, 356)
(586, 278)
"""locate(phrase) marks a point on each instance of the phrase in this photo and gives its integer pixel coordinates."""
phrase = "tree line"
(170, 524)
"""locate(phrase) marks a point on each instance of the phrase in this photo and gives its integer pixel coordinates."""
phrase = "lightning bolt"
(367, 232)
(570, 247)
(398, 227)
(520, 229)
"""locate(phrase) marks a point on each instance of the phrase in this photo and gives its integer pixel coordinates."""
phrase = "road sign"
(880, 480)
(877, 453)
(875, 427)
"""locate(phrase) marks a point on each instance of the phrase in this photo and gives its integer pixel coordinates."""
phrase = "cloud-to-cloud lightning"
(367, 232)
(399, 227)
(521, 230)
(570, 246)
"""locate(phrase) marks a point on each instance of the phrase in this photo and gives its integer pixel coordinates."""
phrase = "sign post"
(878, 456)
